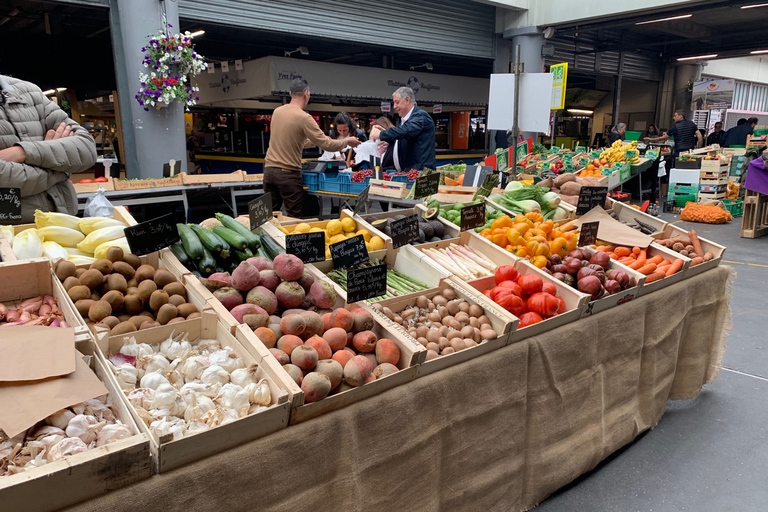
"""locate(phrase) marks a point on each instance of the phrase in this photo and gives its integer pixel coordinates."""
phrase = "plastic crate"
(332, 182)
(681, 199)
(734, 206)
(403, 179)
(630, 135)
(311, 180)
(355, 187)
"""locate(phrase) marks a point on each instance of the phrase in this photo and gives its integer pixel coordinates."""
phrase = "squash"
(451, 182)
(460, 180)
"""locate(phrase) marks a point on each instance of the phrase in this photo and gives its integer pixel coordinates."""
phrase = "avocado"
(422, 236)
(447, 236)
(398, 217)
(438, 228)
(429, 231)
(435, 239)
(379, 223)
(431, 213)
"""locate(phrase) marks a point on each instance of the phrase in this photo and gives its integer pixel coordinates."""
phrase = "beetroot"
(289, 294)
(261, 263)
(269, 280)
(314, 324)
(255, 321)
(306, 280)
(322, 295)
(262, 297)
(288, 267)
(216, 281)
(245, 277)
(229, 297)
(247, 309)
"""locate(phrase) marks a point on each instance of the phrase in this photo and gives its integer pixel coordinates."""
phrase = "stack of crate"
(713, 179)
(754, 224)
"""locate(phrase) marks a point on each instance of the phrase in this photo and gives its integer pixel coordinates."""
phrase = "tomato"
(529, 318)
(520, 251)
(512, 303)
(514, 237)
(562, 307)
(549, 288)
(86, 180)
(511, 285)
(539, 261)
(530, 283)
(100, 179)
(544, 304)
(502, 222)
(506, 273)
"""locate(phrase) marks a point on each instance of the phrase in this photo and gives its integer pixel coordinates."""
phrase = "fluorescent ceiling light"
(197, 33)
(753, 6)
(49, 92)
(61, 89)
(699, 57)
(664, 19)
(758, 52)
(580, 111)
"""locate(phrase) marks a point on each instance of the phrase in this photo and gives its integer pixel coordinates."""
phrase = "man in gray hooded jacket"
(40, 147)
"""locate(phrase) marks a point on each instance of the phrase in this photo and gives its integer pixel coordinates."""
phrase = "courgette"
(244, 254)
(192, 245)
(233, 238)
(210, 240)
(262, 253)
(178, 250)
(251, 238)
(207, 263)
(272, 248)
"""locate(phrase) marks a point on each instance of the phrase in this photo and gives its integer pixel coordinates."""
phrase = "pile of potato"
(122, 295)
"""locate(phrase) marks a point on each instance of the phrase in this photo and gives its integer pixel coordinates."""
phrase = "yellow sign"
(560, 77)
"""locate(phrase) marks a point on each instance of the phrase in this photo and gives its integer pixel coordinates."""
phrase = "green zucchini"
(244, 254)
(213, 242)
(233, 238)
(207, 263)
(251, 238)
(272, 248)
(262, 253)
(178, 250)
(192, 245)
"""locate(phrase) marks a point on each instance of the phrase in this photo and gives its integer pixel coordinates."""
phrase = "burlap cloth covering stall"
(500, 432)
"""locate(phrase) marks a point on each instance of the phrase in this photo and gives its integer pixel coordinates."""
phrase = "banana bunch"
(616, 153)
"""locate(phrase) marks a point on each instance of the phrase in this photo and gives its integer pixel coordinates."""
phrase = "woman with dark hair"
(345, 126)
(652, 131)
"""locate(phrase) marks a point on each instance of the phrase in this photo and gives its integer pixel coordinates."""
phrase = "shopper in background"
(651, 131)
(293, 129)
(344, 126)
(414, 139)
(617, 133)
(716, 137)
(739, 134)
(685, 133)
(501, 139)
(40, 147)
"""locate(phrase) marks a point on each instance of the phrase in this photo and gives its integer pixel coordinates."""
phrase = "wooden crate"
(204, 179)
(470, 239)
(385, 188)
(575, 303)
(617, 299)
(120, 213)
(502, 326)
(168, 454)
(6, 251)
(88, 474)
(718, 251)
(89, 188)
(669, 254)
(174, 181)
(754, 223)
(419, 209)
(253, 177)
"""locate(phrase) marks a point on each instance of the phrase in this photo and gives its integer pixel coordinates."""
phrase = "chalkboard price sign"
(366, 283)
(361, 201)
(472, 216)
(590, 197)
(10, 205)
(260, 210)
(404, 231)
(426, 185)
(308, 247)
(153, 235)
(349, 252)
(588, 233)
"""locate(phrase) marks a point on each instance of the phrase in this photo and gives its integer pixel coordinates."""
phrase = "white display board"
(535, 102)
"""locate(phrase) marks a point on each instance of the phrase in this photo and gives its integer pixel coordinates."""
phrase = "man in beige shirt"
(292, 130)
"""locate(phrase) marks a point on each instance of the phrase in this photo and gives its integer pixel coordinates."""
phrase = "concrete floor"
(709, 454)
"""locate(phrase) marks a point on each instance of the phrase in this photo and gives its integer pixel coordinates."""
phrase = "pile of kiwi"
(123, 295)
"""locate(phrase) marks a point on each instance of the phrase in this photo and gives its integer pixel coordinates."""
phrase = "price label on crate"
(546, 166)
(260, 210)
(426, 185)
(554, 150)
(589, 197)
(366, 283)
(349, 252)
(588, 233)
(502, 160)
(652, 154)
(580, 149)
(308, 247)
(361, 201)
(595, 154)
(472, 216)
(630, 154)
(153, 235)
(10, 206)
(404, 231)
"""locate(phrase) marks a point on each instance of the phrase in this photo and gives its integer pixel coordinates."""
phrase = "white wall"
(748, 69)
(636, 96)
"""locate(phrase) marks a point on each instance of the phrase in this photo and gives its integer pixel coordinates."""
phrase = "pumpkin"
(460, 180)
(451, 182)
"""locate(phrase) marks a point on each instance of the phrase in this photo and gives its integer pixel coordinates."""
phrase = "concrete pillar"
(682, 98)
(152, 138)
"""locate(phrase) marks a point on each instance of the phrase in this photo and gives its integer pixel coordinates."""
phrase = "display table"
(500, 432)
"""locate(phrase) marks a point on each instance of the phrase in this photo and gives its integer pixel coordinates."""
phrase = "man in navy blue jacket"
(414, 139)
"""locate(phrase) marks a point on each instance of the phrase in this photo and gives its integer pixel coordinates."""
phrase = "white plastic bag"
(662, 169)
(98, 205)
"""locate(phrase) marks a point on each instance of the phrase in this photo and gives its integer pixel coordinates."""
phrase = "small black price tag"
(10, 206)
(590, 197)
(366, 283)
(404, 231)
(349, 252)
(362, 199)
(426, 185)
(588, 234)
(260, 210)
(472, 216)
(153, 235)
(308, 247)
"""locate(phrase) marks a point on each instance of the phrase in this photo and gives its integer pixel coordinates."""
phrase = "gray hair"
(298, 86)
(406, 92)
(621, 126)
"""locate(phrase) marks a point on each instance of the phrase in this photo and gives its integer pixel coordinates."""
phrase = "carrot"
(656, 259)
(623, 251)
(697, 261)
(647, 269)
(695, 242)
(635, 250)
(626, 260)
(666, 262)
(674, 267)
(654, 277)
(613, 256)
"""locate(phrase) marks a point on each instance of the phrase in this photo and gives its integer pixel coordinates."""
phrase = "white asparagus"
(469, 261)
(444, 261)
(479, 258)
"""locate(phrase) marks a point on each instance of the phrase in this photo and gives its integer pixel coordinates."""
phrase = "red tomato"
(512, 286)
(505, 273)
(512, 303)
(100, 179)
(544, 304)
(86, 180)
(562, 307)
(549, 288)
(529, 318)
(530, 283)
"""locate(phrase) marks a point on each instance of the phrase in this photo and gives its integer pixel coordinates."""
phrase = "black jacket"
(416, 149)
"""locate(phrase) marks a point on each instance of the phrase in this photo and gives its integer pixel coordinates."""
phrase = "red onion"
(55, 323)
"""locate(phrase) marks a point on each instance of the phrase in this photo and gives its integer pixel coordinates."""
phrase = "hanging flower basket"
(172, 62)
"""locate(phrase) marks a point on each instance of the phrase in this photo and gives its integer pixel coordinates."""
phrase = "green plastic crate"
(734, 206)
(630, 135)
(681, 199)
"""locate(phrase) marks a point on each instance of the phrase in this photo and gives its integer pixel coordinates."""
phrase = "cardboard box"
(690, 176)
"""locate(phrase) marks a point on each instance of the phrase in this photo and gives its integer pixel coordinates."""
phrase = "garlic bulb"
(220, 416)
(244, 376)
(60, 419)
(234, 397)
(51, 440)
(153, 363)
(127, 375)
(196, 410)
(97, 408)
(193, 367)
(259, 393)
(226, 359)
(79, 408)
(172, 349)
(46, 430)
(208, 346)
(153, 380)
(131, 348)
(215, 375)
(254, 408)
(174, 426)
(166, 397)
(145, 416)
(176, 379)
(66, 447)
(85, 427)
(141, 397)
(195, 426)
(112, 433)
(197, 388)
